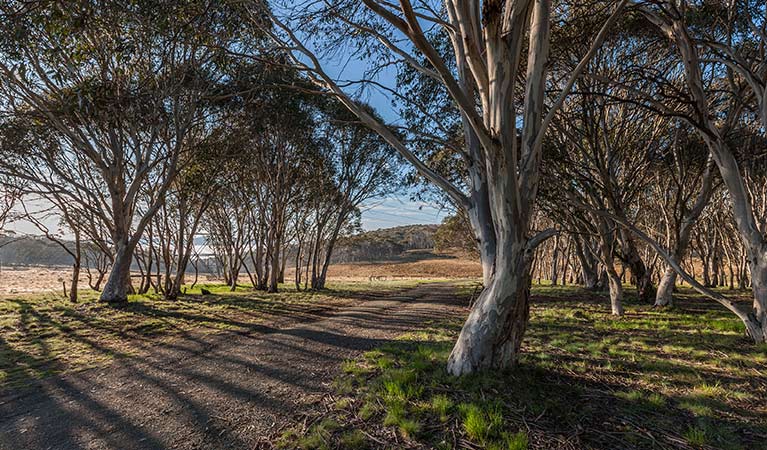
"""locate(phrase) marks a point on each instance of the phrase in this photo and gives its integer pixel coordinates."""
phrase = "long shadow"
(558, 409)
(20, 415)
(209, 392)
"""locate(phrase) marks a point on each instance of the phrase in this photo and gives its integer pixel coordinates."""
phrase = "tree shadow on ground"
(228, 389)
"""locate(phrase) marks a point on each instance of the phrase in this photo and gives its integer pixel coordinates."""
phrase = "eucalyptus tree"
(684, 184)
(68, 217)
(719, 90)
(121, 83)
(284, 159)
(61, 214)
(229, 230)
(604, 148)
(364, 167)
(503, 114)
(190, 196)
(596, 236)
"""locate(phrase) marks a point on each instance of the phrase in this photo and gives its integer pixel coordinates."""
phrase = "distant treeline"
(32, 251)
(387, 243)
(369, 246)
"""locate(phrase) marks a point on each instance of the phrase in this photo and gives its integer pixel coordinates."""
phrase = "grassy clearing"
(675, 378)
(45, 334)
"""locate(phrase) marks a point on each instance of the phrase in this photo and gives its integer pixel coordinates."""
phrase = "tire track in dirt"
(222, 391)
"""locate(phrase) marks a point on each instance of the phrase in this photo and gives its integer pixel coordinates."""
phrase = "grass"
(442, 406)
(684, 377)
(482, 423)
(45, 334)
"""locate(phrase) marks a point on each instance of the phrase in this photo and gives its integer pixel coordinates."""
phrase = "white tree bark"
(504, 171)
(664, 295)
(756, 247)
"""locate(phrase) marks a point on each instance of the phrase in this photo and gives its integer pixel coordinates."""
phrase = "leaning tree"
(724, 71)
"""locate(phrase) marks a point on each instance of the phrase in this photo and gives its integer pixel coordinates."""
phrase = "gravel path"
(212, 392)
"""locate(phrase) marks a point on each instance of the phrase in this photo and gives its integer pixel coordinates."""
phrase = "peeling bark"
(492, 334)
(116, 288)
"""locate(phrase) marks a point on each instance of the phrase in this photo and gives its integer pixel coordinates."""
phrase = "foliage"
(455, 234)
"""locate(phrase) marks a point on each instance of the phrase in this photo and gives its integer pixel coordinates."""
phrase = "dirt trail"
(212, 392)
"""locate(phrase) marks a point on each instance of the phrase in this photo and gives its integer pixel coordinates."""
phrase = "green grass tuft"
(354, 440)
(516, 441)
(441, 405)
(695, 436)
(481, 422)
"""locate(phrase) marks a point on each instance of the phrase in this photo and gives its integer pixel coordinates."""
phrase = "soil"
(227, 390)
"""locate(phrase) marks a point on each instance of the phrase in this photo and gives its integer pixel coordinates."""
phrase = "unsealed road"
(212, 392)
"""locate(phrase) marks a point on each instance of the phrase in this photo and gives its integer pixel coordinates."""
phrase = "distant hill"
(378, 245)
(384, 244)
(32, 251)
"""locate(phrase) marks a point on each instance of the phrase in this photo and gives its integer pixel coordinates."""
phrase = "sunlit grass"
(654, 378)
(44, 334)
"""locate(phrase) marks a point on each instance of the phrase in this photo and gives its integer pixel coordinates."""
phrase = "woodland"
(603, 162)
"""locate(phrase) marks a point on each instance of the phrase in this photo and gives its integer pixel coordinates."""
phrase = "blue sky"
(396, 209)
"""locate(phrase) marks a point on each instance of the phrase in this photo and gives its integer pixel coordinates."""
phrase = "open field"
(412, 265)
(29, 280)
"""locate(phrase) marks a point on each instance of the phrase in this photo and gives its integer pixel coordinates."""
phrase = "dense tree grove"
(143, 132)
(629, 127)
(596, 143)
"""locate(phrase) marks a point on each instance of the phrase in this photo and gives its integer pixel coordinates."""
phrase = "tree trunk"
(99, 279)
(615, 286)
(603, 283)
(759, 288)
(481, 221)
(492, 335)
(75, 280)
(118, 284)
(275, 265)
(715, 267)
(555, 263)
(589, 275)
(297, 275)
(319, 282)
(706, 273)
(282, 265)
(616, 292)
(640, 276)
(234, 275)
(566, 264)
(664, 295)
(76, 264)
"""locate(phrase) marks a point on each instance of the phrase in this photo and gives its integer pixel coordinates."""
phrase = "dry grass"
(415, 265)
(412, 265)
(26, 280)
